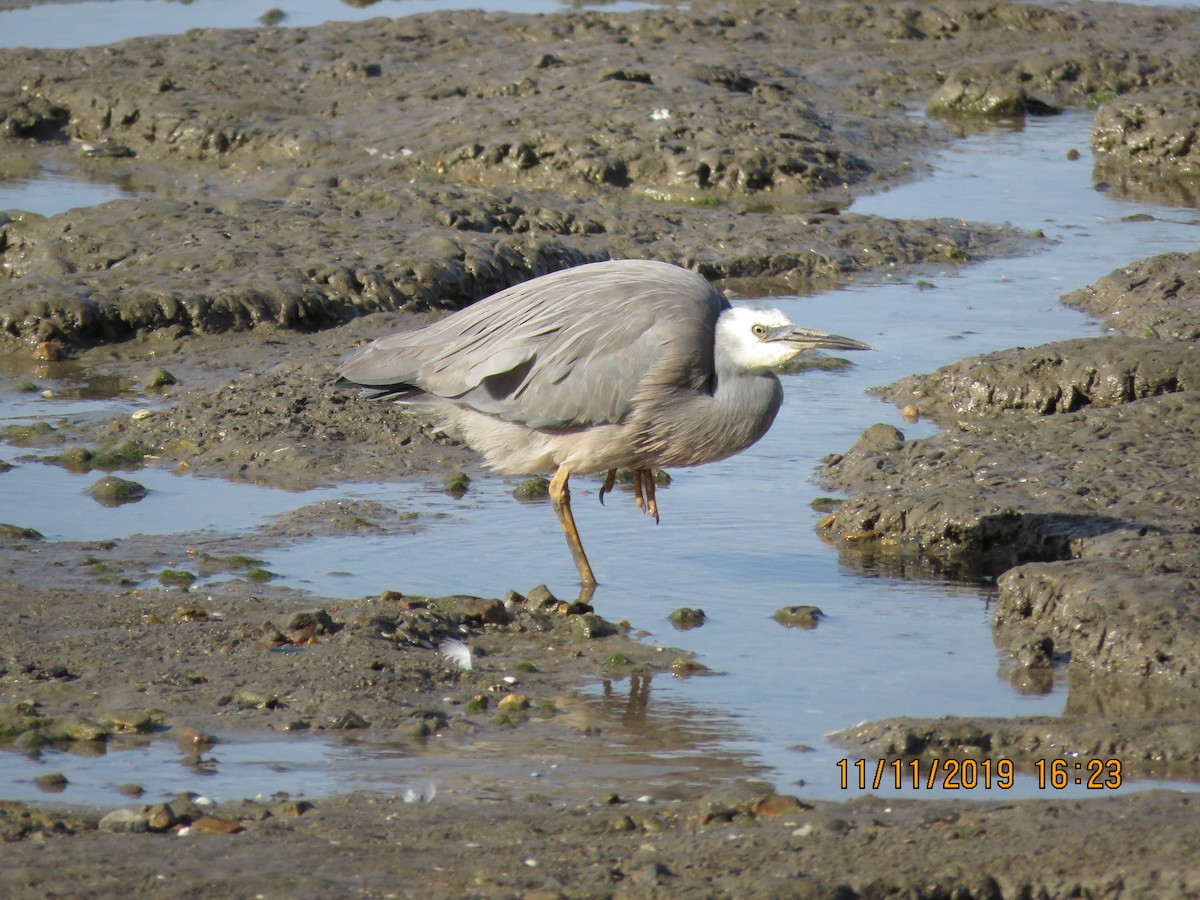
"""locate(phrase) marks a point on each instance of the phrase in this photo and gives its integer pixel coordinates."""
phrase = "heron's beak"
(806, 338)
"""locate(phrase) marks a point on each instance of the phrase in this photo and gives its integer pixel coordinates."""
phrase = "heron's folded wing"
(570, 349)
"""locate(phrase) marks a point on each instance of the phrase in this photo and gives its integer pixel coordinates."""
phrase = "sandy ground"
(317, 187)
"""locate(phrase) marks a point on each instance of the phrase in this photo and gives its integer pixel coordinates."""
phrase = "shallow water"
(51, 192)
(737, 537)
(411, 771)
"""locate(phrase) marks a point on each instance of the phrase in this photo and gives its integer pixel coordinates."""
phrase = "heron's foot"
(609, 481)
(643, 492)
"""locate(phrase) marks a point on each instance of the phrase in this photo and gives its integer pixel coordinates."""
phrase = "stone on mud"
(125, 821)
(957, 97)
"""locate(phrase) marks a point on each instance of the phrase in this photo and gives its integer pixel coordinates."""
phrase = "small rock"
(589, 626)
(131, 721)
(799, 616)
(306, 627)
(52, 782)
(77, 458)
(775, 805)
(1035, 653)
(349, 721)
(216, 825)
(624, 823)
(160, 817)
(537, 487)
(140, 414)
(475, 610)
(160, 377)
(113, 491)
(17, 533)
(878, 438)
(48, 351)
(125, 821)
(190, 737)
(77, 728)
(456, 483)
(685, 618)
(684, 668)
(511, 703)
(960, 97)
(292, 809)
(182, 578)
(540, 597)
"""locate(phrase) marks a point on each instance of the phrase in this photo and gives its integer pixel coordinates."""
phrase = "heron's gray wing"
(569, 349)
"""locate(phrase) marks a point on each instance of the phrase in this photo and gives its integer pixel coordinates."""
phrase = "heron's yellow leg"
(560, 498)
(639, 493)
(607, 487)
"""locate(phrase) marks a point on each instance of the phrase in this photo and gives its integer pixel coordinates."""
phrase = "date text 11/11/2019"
(969, 774)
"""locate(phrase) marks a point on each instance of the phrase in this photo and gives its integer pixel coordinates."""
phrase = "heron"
(624, 364)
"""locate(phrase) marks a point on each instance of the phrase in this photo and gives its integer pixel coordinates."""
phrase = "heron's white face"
(744, 338)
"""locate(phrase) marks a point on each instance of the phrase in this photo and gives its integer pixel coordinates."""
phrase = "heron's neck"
(704, 426)
(744, 403)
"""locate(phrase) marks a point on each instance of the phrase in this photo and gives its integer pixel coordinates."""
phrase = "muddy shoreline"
(301, 190)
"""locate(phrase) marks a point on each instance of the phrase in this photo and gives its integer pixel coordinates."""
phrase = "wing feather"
(569, 349)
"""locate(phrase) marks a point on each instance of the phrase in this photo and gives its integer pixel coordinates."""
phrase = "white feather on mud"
(457, 652)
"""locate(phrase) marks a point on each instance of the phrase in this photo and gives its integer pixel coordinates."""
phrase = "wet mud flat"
(303, 190)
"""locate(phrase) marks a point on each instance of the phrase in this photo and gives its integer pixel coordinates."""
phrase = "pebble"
(215, 825)
(513, 703)
(125, 821)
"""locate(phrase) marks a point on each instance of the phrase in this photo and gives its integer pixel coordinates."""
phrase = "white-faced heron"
(623, 364)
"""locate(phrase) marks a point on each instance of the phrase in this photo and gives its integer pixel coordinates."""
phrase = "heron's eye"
(759, 331)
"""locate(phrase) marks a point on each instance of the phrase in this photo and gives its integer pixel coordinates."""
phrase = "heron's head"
(759, 339)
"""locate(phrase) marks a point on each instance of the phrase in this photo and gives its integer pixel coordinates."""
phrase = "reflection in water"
(630, 710)
(598, 737)
(1151, 187)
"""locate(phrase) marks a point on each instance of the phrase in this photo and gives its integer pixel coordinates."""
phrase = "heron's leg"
(560, 499)
(607, 487)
